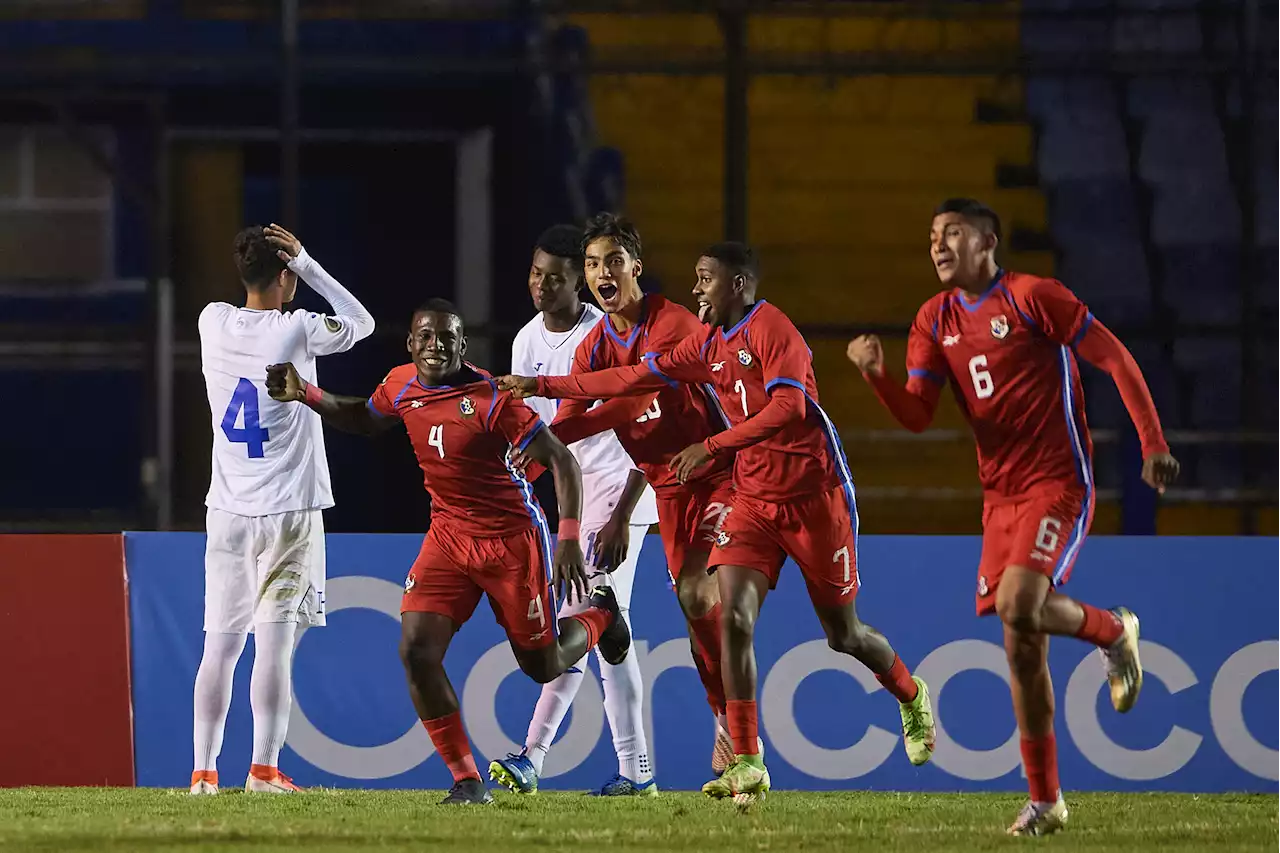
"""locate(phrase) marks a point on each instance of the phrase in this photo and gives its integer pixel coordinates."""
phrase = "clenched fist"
(284, 383)
(867, 354)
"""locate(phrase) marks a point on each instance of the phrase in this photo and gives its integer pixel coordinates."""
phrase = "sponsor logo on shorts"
(745, 357)
(722, 538)
(982, 585)
(999, 327)
(537, 636)
(467, 406)
(1041, 556)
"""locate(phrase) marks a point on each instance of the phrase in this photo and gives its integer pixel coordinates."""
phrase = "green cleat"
(746, 780)
(918, 731)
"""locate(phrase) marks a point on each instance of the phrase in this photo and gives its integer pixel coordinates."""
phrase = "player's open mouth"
(608, 291)
(704, 308)
(944, 264)
(435, 360)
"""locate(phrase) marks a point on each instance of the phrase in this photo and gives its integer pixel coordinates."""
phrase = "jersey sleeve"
(513, 420)
(785, 358)
(382, 400)
(925, 362)
(1056, 311)
(350, 323)
(682, 363)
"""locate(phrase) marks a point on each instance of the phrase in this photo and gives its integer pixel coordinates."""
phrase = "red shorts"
(454, 569)
(688, 521)
(1042, 533)
(820, 533)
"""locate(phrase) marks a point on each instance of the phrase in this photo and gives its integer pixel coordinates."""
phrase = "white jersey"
(268, 457)
(536, 351)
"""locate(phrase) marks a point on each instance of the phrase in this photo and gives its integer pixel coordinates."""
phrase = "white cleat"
(1039, 819)
(277, 784)
(204, 782)
(1124, 667)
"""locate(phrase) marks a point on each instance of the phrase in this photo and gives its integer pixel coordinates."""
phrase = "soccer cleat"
(621, 786)
(1124, 668)
(1040, 819)
(515, 772)
(268, 780)
(615, 641)
(468, 792)
(204, 781)
(918, 730)
(746, 780)
(722, 752)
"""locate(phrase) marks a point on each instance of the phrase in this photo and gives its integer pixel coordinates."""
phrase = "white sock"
(213, 695)
(271, 689)
(553, 706)
(624, 706)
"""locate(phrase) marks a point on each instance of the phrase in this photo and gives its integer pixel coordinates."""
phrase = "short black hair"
(436, 305)
(612, 225)
(256, 259)
(563, 241)
(739, 257)
(974, 211)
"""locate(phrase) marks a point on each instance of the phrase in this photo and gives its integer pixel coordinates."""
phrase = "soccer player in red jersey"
(488, 535)
(653, 430)
(1007, 343)
(793, 493)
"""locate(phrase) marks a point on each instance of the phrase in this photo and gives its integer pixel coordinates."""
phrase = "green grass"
(124, 819)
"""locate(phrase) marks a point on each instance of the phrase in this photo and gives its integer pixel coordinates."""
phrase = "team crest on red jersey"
(744, 357)
(467, 406)
(999, 327)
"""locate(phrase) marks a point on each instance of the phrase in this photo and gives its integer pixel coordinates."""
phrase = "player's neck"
(733, 315)
(266, 300)
(563, 319)
(982, 283)
(628, 316)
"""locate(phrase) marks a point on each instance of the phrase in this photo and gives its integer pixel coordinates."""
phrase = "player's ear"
(408, 343)
(990, 242)
(739, 283)
(637, 267)
(462, 346)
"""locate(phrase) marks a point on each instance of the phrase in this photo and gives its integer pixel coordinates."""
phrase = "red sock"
(450, 739)
(706, 656)
(1100, 627)
(743, 726)
(1040, 759)
(594, 620)
(898, 681)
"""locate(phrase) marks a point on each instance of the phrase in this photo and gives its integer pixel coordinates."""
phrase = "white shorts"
(622, 579)
(260, 569)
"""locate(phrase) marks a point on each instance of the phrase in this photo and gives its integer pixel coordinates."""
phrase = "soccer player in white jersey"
(264, 558)
(617, 508)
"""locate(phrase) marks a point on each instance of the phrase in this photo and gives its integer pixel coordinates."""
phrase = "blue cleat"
(516, 773)
(621, 786)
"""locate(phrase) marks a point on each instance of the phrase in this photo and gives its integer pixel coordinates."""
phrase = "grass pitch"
(94, 819)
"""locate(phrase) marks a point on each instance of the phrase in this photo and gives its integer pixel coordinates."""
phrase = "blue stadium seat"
(1202, 283)
(1087, 211)
(1165, 34)
(1182, 148)
(1195, 215)
(1058, 36)
(1212, 369)
(1049, 98)
(1156, 4)
(1148, 97)
(1073, 148)
(1111, 277)
(1161, 380)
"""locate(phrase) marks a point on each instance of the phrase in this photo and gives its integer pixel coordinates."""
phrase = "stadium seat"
(1087, 211)
(1111, 277)
(1162, 381)
(1147, 97)
(1181, 148)
(1049, 98)
(1080, 146)
(1058, 36)
(1205, 214)
(1211, 368)
(1164, 34)
(1202, 283)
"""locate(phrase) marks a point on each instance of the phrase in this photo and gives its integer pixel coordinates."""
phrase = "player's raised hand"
(570, 576)
(687, 462)
(867, 354)
(287, 246)
(284, 383)
(519, 386)
(1159, 470)
(612, 542)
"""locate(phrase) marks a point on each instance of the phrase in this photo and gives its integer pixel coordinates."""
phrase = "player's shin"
(624, 707)
(549, 713)
(271, 690)
(450, 740)
(213, 695)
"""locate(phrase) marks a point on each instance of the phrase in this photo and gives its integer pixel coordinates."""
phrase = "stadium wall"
(1207, 720)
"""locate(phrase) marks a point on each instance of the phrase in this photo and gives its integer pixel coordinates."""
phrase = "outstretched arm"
(571, 425)
(657, 371)
(349, 414)
(912, 405)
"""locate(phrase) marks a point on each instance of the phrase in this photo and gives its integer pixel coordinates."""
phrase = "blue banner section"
(1206, 721)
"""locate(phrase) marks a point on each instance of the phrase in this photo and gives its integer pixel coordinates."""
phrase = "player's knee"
(538, 668)
(1019, 612)
(418, 656)
(738, 622)
(697, 597)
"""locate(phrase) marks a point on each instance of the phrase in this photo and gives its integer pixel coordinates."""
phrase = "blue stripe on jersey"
(724, 336)
(714, 399)
(371, 407)
(842, 468)
(783, 380)
(973, 306)
(927, 374)
(543, 531)
(653, 365)
(1084, 327)
(403, 390)
(705, 344)
(1018, 308)
(493, 402)
(538, 427)
(1084, 468)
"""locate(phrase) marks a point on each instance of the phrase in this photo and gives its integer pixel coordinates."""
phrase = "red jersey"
(743, 365)
(677, 417)
(1009, 355)
(462, 434)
